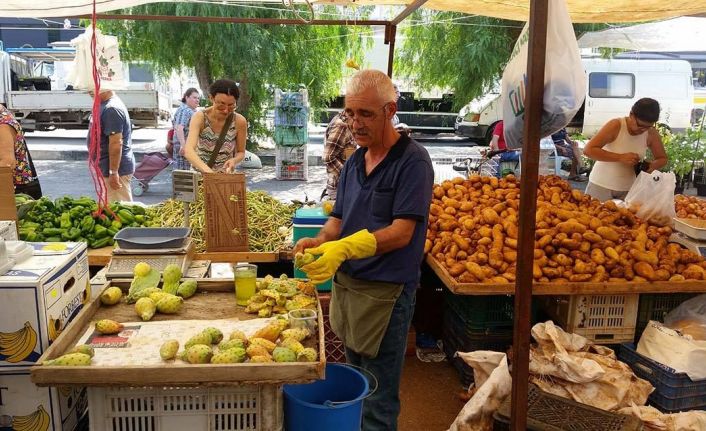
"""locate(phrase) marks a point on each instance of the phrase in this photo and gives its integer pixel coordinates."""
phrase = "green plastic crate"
(307, 224)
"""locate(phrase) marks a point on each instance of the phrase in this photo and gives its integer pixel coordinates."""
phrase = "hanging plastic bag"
(651, 197)
(110, 68)
(689, 318)
(564, 79)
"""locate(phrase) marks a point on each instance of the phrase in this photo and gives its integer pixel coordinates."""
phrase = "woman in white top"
(619, 146)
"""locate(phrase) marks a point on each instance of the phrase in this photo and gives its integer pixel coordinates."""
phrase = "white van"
(613, 87)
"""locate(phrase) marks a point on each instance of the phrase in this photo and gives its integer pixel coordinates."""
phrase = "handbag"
(219, 142)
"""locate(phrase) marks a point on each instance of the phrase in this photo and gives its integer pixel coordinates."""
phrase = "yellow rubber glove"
(360, 245)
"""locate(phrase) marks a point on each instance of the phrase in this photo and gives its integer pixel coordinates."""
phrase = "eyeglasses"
(363, 116)
(641, 125)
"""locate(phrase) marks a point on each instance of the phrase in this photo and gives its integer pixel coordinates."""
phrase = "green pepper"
(52, 231)
(126, 217)
(139, 218)
(28, 235)
(53, 239)
(84, 201)
(99, 232)
(87, 224)
(137, 210)
(29, 225)
(65, 220)
(77, 212)
(99, 243)
(105, 221)
(112, 232)
(116, 224)
(71, 234)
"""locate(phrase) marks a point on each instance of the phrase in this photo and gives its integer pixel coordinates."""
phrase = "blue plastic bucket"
(334, 403)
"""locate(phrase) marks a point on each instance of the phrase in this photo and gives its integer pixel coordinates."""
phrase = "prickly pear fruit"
(170, 304)
(70, 359)
(230, 356)
(267, 344)
(83, 348)
(169, 349)
(198, 354)
(256, 350)
(181, 355)
(272, 330)
(239, 335)
(141, 269)
(231, 344)
(187, 289)
(215, 334)
(301, 259)
(111, 295)
(298, 334)
(200, 338)
(107, 326)
(283, 354)
(171, 275)
(145, 308)
(292, 345)
(307, 354)
(261, 358)
(157, 295)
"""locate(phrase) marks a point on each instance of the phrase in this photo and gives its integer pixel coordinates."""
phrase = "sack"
(651, 197)
(564, 79)
(108, 64)
(689, 318)
(672, 349)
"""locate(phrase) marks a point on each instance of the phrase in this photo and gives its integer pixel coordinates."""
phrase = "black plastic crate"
(655, 307)
(673, 391)
(547, 412)
(482, 312)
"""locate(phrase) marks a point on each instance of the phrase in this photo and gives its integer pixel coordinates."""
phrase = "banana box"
(8, 232)
(38, 298)
(26, 407)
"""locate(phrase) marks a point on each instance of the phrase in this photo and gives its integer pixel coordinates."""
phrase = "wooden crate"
(214, 300)
(226, 212)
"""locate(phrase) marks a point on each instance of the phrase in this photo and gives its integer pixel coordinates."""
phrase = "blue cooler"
(307, 224)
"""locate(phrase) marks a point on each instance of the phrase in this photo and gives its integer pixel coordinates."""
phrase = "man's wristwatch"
(112, 172)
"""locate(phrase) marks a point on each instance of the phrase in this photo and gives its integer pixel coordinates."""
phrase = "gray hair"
(371, 78)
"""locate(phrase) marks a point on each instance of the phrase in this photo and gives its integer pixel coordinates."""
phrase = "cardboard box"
(38, 298)
(26, 407)
(7, 195)
(8, 230)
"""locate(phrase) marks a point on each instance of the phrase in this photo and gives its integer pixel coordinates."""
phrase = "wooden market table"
(102, 256)
(570, 288)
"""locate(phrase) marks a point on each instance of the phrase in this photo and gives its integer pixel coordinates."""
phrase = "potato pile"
(690, 207)
(473, 232)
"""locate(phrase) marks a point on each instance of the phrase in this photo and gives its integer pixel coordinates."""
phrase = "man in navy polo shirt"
(374, 242)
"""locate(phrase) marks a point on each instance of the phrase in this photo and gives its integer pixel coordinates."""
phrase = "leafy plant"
(683, 149)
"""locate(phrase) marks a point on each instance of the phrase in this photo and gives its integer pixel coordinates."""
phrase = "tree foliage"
(465, 54)
(258, 57)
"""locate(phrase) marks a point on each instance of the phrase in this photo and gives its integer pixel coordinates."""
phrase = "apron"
(360, 311)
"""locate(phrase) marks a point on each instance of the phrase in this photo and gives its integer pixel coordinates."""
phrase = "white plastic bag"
(668, 347)
(652, 197)
(110, 68)
(689, 318)
(564, 78)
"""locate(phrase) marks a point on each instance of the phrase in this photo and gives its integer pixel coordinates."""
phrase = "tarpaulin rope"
(94, 139)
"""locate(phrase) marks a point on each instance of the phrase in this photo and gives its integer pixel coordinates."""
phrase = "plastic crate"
(482, 312)
(457, 337)
(251, 407)
(547, 412)
(606, 319)
(291, 115)
(290, 136)
(335, 350)
(291, 163)
(655, 307)
(673, 391)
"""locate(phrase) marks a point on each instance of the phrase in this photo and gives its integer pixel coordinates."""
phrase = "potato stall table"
(177, 394)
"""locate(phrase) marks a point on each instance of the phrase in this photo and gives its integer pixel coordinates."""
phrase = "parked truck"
(613, 86)
(42, 102)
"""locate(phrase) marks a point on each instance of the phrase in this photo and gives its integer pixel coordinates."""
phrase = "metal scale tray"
(158, 247)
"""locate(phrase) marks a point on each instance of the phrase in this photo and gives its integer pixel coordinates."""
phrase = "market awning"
(679, 34)
(46, 54)
(518, 10)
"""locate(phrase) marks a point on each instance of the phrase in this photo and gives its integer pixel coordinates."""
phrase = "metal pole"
(232, 20)
(537, 45)
(187, 207)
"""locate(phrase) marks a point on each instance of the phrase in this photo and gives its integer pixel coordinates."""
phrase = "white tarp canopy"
(518, 10)
(679, 34)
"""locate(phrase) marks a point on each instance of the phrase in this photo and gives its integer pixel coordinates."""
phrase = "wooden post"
(390, 34)
(7, 195)
(534, 103)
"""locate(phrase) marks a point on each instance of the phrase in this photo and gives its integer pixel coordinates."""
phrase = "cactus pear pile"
(199, 354)
(108, 327)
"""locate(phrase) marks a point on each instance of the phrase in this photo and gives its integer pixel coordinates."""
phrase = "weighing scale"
(124, 260)
(691, 234)
(185, 188)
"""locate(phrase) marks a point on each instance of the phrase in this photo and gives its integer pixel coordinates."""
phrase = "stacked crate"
(290, 135)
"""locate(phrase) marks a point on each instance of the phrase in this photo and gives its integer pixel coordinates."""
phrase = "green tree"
(258, 57)
(462, 53)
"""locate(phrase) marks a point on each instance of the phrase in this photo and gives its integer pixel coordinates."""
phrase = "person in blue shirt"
(373, 242)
